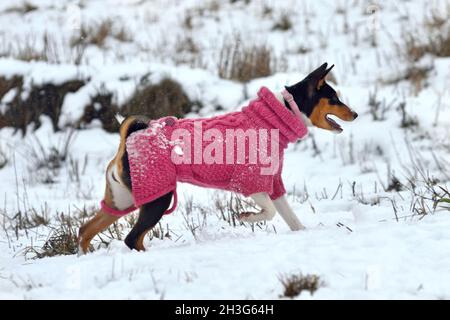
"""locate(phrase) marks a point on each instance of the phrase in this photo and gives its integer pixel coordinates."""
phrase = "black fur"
(136, 125)
(149, 215)
(306, 94)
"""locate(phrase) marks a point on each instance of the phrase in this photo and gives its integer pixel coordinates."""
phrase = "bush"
(25, 8)
(284, 22)
(158, 100)
(46, 99)
(61, 241)
(103, 109)
(296, 283)
(151, 100)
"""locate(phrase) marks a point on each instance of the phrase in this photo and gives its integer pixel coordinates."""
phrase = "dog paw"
(300, 227)
(246, 216)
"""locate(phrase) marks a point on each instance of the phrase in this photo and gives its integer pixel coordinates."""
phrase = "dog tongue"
(334, 124)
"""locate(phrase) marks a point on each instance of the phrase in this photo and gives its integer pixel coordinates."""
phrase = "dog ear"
(322, 80)
(319, 72)
(315, 77)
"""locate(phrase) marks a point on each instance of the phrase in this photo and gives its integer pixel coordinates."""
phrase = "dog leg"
(149, 215)
(89, 230)
(284, 209)
(117, 196)
(267, 212)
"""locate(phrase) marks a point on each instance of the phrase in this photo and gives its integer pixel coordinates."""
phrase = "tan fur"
(320, 83)
(140, 241)
(101, 220)
(122, 146)
(323, 108)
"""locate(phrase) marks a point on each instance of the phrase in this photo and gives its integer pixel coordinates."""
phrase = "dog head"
(318, 100)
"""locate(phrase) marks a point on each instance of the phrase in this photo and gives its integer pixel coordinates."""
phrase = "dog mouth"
(333, 124)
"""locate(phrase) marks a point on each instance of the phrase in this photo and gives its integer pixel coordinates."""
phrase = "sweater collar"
(295, 123)
(290, 100)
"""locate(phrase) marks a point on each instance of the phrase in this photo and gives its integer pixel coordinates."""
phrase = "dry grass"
(435, 40)
(244, 1)
(283, 23)
(416, 75)
(267, 11)
(394, 184)
(26, 219)
(48, 48)
(45, 99)
(97, 34)
(407, 120)
(427, 189)
(186, 45)
(62, 236)
(7, 84)
(123, 35)
(61, 233)
(296, 283)
(188, 20)
(435, 44)
(228, 208)
(157, 100)
(431, 38)
(45, 163)
(27, 50)
(151, 100)
(93, 34)
(377, 107)
(444, 200)
(24, 8)
(61, 241)
(244, 63)
(102, 108)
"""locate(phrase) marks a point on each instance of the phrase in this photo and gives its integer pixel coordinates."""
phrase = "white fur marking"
(119, 118)
(121, 196)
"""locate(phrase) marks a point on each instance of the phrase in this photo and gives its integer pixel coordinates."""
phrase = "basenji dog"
(142, 175)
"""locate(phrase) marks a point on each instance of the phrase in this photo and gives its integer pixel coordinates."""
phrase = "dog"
(142, 175)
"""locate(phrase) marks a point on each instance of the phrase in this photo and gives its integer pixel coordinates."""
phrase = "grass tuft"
(295, 284)
(284, 22)
(243, 63)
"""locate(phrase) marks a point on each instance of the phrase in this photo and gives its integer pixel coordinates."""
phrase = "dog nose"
(355, 115)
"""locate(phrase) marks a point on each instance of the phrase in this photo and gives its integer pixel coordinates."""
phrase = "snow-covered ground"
(363, 238)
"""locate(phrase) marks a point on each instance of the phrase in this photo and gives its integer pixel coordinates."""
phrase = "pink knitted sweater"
(151, 152)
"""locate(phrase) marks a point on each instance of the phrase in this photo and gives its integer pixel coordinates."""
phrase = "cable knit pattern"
(153, 173)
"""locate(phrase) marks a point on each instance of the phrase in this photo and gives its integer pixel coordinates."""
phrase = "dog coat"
(172, 150)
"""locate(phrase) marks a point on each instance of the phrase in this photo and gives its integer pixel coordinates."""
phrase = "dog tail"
(131, 124)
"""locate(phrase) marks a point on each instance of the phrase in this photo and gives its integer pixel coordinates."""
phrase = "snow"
(363, 242)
